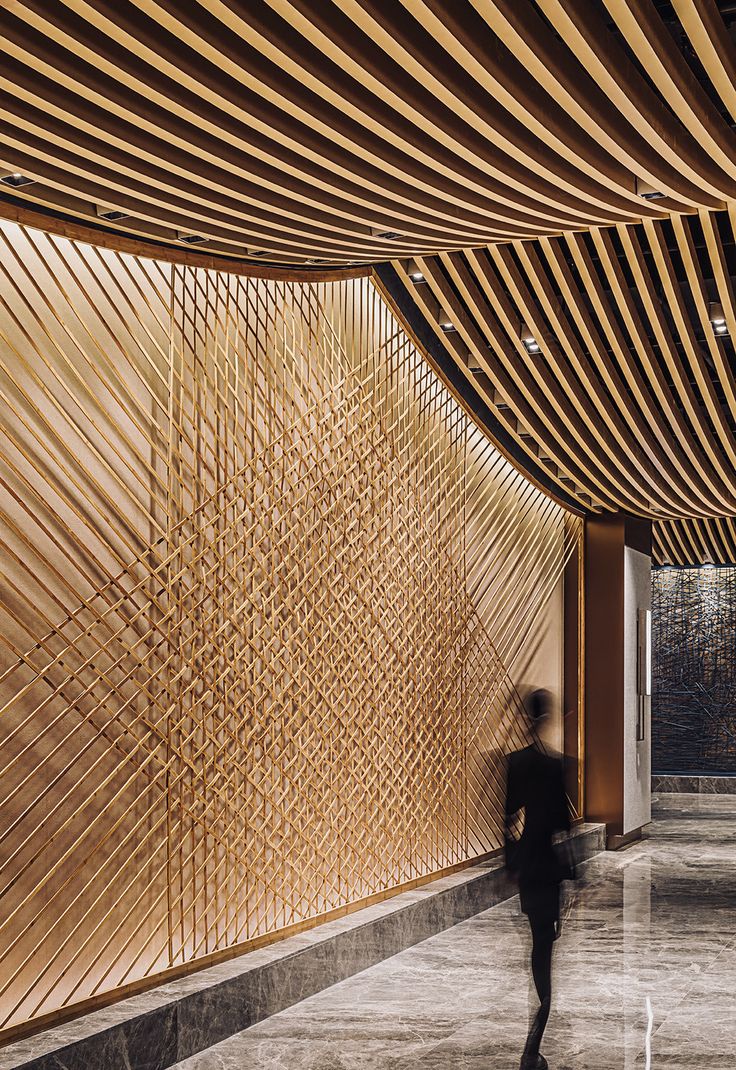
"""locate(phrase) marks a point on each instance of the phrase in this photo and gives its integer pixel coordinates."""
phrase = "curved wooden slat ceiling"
(608, 359)
(295, 131)
(566, 163)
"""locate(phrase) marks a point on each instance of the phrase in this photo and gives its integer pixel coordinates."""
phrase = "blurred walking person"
(536, 786)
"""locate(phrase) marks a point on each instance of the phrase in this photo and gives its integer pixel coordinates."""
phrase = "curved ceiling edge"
(416, 325)
(67, 227)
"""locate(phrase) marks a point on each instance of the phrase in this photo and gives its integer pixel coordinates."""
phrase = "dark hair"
(539, 704)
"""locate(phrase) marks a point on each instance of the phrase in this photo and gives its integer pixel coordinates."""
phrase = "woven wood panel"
(262, 584)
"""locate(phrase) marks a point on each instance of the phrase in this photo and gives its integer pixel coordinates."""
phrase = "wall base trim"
(617, 842)
(693, 784)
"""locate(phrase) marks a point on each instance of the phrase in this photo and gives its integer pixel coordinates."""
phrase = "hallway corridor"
(645, 975)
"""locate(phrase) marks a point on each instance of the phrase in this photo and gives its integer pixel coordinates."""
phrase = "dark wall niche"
(694, 670)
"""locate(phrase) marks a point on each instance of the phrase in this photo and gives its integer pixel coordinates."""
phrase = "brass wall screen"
(262, 585)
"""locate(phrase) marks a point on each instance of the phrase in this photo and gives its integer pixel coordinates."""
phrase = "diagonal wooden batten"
(255, 650)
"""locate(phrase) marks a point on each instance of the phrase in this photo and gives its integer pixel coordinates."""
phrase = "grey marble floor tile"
(645, 975)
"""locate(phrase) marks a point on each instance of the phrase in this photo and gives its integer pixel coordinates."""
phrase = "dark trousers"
(541, 905)
(543, 938)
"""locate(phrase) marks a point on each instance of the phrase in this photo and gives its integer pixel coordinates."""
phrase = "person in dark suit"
(536, 786)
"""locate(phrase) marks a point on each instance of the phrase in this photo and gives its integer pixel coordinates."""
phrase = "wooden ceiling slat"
(683, 390)
(678, 476)
(606, 404)
(465, 36)
(715, 49)
(700, 297)
(531, 407)
(657, 52)
(309, 133)
(680, 433)
(510, 139)
(633, 430)
(554, 410)
(613, 438)
(582, 25)
(500, 372)
(535, 159)
(589, 431)
(724, 447)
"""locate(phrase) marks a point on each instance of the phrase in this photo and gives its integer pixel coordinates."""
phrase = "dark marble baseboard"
(170, 1023)
(693, 784)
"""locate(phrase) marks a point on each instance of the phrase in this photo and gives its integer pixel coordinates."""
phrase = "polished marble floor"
(645, 975)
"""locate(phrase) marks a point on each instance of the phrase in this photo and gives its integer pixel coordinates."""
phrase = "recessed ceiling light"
(16, 179)
(317, 260)
(110, 213)
(648, 191)
(255, 252)
(416, 276)
(190, 239)
(387, 235)
(720, 328)
(447, 326)
(715, 314)
(529, 341)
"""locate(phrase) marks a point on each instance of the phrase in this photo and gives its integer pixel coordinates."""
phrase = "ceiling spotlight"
(717, 318)
(16, 179)
(648, 191)
(255, 252)
(387, 235)
(530, 343)
(707, 563)
(447, 326)
(416, 276)
(190, 239)
(110, 213)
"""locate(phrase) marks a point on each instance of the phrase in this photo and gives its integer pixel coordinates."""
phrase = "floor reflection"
(645, 975)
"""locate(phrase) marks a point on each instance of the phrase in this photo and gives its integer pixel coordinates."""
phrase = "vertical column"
(617, 736)
(573, 732)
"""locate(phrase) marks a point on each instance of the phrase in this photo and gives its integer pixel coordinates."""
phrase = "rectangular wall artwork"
(694, 670)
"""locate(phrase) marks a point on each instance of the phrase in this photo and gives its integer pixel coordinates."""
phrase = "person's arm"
(565, 853)
(513, 805)
(566, 809)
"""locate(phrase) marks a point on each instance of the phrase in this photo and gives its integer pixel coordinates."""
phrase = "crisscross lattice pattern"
(262, 581)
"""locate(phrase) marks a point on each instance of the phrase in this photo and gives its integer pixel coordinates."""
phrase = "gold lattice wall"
(261, 585)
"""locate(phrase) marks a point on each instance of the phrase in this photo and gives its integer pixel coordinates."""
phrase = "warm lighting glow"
(716, 316)
(16, 179)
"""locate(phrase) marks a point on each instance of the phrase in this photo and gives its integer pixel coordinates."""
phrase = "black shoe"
(533, 1062)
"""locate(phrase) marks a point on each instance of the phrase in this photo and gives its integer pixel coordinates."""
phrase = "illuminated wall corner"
(266, 597)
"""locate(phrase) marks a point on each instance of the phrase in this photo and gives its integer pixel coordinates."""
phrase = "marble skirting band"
(158, 1028)
(692, 784)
